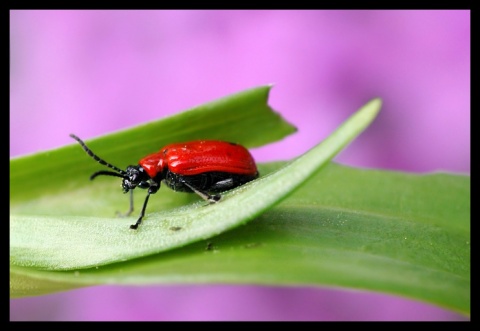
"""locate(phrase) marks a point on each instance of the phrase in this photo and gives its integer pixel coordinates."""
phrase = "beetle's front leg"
(153, 187)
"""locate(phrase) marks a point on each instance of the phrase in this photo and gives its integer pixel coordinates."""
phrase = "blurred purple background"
(93, 72)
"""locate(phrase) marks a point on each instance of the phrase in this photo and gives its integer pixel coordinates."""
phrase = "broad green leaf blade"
(396, 233)
(75, 242)
(244, 118)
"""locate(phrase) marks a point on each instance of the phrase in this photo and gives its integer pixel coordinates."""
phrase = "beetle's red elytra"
(201, 166)
(200, 156)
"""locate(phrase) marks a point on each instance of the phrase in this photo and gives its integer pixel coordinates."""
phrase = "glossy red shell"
(196, 157)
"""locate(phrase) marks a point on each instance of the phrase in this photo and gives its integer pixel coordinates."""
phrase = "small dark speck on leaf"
(210, 247)
(175, 228)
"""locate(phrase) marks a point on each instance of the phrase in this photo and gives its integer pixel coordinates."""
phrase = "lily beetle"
(204, 167)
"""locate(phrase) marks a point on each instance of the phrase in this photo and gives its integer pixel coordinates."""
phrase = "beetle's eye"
(128, 185)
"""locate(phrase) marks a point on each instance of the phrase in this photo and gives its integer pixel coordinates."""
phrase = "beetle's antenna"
(99, 160)
(107, 173)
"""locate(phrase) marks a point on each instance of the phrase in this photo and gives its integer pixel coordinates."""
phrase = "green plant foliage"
(304, 222)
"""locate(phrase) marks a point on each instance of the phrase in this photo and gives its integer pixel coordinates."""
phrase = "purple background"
(93, 72)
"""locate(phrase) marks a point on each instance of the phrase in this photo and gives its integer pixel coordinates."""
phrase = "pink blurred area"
(93, 72)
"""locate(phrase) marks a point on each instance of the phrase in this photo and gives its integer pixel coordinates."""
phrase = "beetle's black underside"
(213, 182)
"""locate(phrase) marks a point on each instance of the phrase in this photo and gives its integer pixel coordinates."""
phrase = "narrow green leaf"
(74, 242)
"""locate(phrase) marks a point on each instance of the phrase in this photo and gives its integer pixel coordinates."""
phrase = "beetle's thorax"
(153, 164)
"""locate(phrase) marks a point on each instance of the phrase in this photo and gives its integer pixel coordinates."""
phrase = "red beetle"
(201, 167)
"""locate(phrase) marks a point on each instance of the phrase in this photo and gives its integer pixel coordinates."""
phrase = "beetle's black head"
(135, 176)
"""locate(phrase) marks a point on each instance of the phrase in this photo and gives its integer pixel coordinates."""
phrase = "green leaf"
(391, 232)
(72, 242)
(244, 118)
(374, 230)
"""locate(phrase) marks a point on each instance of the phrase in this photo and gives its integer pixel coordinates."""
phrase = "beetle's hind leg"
(204, 195)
